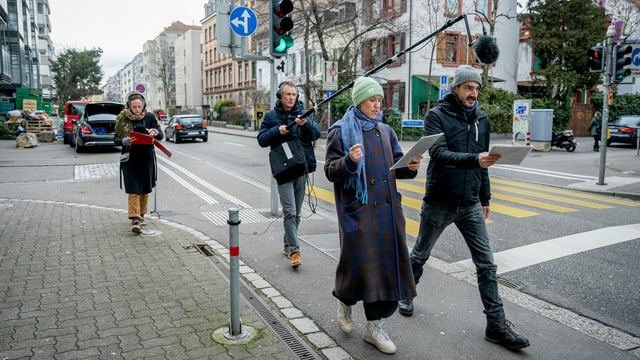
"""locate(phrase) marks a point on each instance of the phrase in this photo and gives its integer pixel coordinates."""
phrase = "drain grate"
(510, 284)
(204, 249)
(297, 346)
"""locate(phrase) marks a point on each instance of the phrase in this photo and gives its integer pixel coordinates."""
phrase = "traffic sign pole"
(609, 46)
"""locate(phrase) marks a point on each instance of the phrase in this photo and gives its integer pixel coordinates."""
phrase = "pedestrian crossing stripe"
(502, 191)
(533, 203)
(552, 190)
(563, 199)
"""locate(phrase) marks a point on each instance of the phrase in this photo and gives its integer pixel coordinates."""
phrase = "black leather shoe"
(500, 332)
(405, 307)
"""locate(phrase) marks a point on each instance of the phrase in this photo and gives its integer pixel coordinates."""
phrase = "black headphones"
(288, 83)
(134, 96)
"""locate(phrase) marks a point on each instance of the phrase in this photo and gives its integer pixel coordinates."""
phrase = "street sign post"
(444, 82)
(330, 79)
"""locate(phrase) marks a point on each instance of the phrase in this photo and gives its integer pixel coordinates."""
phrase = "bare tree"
(160, 68)
(323, 25)
(628, 11)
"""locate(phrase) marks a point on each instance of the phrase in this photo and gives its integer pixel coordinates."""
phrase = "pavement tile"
(77, 284)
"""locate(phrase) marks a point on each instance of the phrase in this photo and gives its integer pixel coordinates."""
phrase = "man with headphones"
(137, 161)
(282, 124)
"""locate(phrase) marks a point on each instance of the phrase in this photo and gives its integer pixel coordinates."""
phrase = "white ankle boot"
(376, 336)
(344, 317)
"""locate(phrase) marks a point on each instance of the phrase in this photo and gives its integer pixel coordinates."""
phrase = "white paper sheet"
(511, 155)
(420, 147)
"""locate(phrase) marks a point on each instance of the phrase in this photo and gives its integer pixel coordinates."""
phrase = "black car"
(96, 125)
(182, 127)
(624, 129)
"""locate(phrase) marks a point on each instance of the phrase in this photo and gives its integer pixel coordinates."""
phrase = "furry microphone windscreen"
(486, 50)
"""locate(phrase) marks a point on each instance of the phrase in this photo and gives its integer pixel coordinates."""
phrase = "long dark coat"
(140, 171)
(374, 260)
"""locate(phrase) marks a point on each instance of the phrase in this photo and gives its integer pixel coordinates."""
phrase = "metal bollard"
(235, 324)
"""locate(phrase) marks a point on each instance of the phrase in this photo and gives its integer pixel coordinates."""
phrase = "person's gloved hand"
(126, 141)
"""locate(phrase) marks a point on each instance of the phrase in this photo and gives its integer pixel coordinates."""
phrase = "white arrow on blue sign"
(243, 21)
(635, 57)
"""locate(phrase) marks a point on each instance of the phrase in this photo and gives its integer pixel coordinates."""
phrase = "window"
(393, 8)
(451, 49)
(375, 51)
(452, 8)
(395, 45)
(394, 93)
(484, 7)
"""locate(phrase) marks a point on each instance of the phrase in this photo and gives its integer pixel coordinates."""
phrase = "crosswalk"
(510, 198)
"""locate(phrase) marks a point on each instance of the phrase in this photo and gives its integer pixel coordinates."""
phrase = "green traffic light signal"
(283, 44)
(621, 62)
(281, 25)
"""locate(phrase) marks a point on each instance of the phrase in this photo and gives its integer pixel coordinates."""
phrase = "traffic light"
(281, 25)
(621, 62)
(596, 59)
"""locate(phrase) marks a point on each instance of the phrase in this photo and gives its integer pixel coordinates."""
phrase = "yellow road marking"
(412, 226)
(533, 203)
(549, 189)
(511, 211)
(552, 197)
(413, 188)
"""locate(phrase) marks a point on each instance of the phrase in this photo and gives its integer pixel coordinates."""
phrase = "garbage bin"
(541, 128)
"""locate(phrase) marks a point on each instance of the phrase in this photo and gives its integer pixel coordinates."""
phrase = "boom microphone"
(486, 50)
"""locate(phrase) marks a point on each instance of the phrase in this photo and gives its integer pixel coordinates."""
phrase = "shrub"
(8, 131)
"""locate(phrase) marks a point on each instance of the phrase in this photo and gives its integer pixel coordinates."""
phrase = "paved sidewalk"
(77, 284)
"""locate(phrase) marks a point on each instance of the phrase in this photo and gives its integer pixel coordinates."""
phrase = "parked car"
(72, 109)
(161, 115)
(182, 127)
(624, 129)
(96, 125)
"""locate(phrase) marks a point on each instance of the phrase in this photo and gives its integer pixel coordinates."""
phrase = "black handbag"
(287, 161)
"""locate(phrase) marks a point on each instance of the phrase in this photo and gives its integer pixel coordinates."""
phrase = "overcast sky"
(118, 27)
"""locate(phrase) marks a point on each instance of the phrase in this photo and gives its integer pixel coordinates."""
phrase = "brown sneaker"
(287, 250)
(135, 227)
(296, 260)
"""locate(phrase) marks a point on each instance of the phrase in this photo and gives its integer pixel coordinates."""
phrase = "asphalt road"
(202, 181)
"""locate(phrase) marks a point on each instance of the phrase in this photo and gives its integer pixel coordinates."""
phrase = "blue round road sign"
(243, 21)
(141, 88)
(635, 57)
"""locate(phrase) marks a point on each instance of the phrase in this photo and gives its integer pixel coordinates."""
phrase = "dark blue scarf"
(354, 122)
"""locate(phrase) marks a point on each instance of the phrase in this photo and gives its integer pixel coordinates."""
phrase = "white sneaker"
(344, 317)
(376, 336)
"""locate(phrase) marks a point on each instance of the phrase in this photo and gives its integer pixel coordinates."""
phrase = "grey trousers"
(291, 199)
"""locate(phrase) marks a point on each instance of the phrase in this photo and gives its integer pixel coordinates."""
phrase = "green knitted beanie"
(364, 88)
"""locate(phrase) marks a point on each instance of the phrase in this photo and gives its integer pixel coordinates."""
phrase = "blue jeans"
(471, 223)
(291, 199)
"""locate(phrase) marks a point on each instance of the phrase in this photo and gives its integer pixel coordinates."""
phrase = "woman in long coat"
(138, 161)
(374, 262)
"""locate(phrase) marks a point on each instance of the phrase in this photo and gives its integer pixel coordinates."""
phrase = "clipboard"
(142, 139)
(511, 155)
(419, 148)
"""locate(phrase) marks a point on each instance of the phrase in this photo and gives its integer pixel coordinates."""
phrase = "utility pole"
(609, 46)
